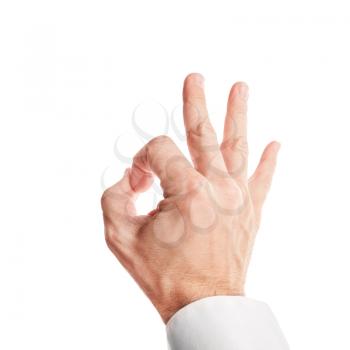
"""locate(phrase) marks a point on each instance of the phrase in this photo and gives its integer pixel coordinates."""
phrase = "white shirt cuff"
(225, 323)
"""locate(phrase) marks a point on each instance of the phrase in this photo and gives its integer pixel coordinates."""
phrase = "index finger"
(163, 158)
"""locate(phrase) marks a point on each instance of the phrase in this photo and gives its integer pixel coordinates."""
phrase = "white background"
(72, 73)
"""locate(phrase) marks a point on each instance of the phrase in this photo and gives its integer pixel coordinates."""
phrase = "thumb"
(119, 213)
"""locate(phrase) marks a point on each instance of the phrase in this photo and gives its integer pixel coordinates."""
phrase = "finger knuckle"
(202, 129)
(195, 182)
(105, 198)
(159, 141)
(109, 238)
(112, 234)
(235, 143)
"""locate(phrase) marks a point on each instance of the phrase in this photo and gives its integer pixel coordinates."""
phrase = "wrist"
(176, 301)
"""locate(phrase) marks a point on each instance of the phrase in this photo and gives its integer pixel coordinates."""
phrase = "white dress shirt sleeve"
(225, 323)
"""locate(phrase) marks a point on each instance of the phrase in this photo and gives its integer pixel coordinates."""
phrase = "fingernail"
(199, 80)
(243, 91)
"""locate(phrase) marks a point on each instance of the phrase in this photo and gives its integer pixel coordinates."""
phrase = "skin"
(198, 241)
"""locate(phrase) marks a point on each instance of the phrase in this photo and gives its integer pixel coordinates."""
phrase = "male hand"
(197, 242)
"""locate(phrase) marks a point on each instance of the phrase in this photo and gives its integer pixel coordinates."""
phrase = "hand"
(197, 242)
